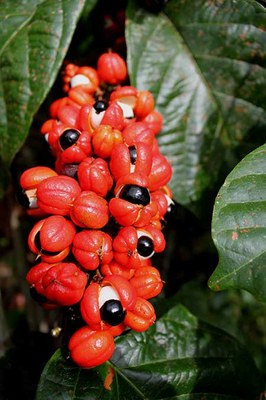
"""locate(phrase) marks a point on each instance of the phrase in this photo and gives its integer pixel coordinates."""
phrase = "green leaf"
(239, 227)
(34, 38)
(179, 357)
(205, 65)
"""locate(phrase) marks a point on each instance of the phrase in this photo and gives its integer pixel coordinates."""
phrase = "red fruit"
(132, 205)
(126, 213)
(141, 317)
(90, 211)
(56, 195)
(161, 172)
(98, 296)
(125, 290)
(125, 248)
(126, 97)
(68, 114)
(134, 179)
(90, 248)
(126, 93)
(33, 176)
(138, 132)
(51, 238)
(144, 104)
(128, 159)
(114, 116)
(89, 348)
(163, 199)
(104, 139)
(35, 275)
(29, 181)
(56, 111)
(147, 282)
(94, 175)
(132, 246)
(154, 120)
(157, 237)
(75, 146)
(80, 96)
(96, 114)
(85, 78)
(56, 129)
(114, 268)
(111, 68)
(103, 114)
(62, 283)
(83, 121)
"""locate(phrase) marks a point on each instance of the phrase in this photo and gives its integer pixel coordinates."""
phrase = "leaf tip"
(214, 285)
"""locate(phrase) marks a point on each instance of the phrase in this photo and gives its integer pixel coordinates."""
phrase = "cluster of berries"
(102, 208)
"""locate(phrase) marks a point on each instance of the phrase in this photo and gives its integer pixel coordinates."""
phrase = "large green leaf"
(204, 62)
(34, 38)
(179, 357)
(239, 227)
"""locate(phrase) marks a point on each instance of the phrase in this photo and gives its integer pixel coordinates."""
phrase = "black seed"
(112, 312)
(133, 154)
(145, 246)
(135, 194)
(23, 199)
(70, 170)
(100, 106)
(68, 138)
(37, 241)
(37, 296)
(49, 253)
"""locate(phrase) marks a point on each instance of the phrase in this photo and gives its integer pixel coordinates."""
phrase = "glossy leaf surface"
(179, 357)
(205, 66)
(34, 38)
(239, 227)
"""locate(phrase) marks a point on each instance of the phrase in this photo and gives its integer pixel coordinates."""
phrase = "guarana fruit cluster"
(101, 210)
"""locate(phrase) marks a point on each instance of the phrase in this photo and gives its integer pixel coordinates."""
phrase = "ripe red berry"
(94, 175)
(128, 159)
(92, 247)
(161, 172)
(90, 210)
(51, 238)
(111, 68)
(104, 139)
(62, 283)
(144, 104)
(29, 182)
(57, 194)
(141, 317)
(147, 282)
(90, 348)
